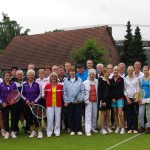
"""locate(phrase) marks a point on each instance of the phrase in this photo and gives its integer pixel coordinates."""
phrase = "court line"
(123, 142)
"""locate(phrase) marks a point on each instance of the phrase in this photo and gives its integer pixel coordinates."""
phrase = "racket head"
(38, 111)
(142, 94)
(13, 97)
(139, 95)
(79, 97)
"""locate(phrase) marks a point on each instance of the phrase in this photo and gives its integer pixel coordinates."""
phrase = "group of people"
(111, 93)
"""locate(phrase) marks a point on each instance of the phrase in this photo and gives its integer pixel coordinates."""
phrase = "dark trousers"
(132, 116)
(31, 119)
(75, 117)
(13, 113)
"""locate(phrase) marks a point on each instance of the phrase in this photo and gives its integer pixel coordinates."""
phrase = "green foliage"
(56, 30)
(89, 50)
(133, 47)
(137, 44)
(8, 30)
(127, 45)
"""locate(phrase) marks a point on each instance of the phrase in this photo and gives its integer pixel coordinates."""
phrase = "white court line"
(123, 141)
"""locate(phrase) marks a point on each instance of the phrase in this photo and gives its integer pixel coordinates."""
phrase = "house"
(54, 48)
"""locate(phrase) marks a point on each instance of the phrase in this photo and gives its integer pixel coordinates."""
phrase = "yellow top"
(54, 96)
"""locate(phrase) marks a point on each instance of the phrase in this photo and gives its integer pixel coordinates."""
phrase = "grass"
(66, 142)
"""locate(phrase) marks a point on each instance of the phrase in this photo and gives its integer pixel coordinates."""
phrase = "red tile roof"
(53, 48)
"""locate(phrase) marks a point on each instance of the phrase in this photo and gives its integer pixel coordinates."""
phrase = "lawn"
(66, 142)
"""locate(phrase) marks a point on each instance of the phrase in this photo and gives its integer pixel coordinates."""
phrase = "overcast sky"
(46, 15)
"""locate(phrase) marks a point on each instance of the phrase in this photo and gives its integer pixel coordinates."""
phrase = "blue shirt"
(82, 76)
(31, 92)
(146, 88)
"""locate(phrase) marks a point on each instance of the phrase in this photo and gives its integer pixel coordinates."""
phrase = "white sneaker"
(57, 134)
(49, 135)
(3, 132)
(135, 131)
(40, 135)
(117, 130)
(103, 131)
(13, 135)
(72, 133)
(109, 130)
(33, 134)
(88, 134)
(79, 133)
(6, 135)
(130, 131)
(95, 131)
(122, 131)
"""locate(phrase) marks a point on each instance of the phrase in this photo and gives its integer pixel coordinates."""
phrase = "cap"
(80, 65)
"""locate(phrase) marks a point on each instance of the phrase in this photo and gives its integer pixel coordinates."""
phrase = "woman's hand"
(104, 104)
(66, 104)
(4, 105)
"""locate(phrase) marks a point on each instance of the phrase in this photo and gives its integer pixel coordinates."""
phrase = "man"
(99, 68)
(110, 67)
(80, 72)
(137, 67)
(122, 68)
(89, 65)
(47, 71)
(13, 71)
(55, 68)
(67, 68)
(61, 74)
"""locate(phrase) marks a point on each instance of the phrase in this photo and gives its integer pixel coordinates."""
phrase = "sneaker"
(40, 135)
(117, 130)
(135, 131)
(88, 134)
(72, 133)
(95, 131)
(33, 134)
(49, 135)
(13, 135)
(3, 132)
(103, 131)
(141, 130)
(68, 130)
(79, 133)
(130, 131)
(6, 135)
(57, 134)
(122, 131)
(109, 130)
(147, 131)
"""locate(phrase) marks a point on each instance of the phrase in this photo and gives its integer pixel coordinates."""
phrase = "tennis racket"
(138, 96)
(38, 111)
(13, 97)
(82, 96)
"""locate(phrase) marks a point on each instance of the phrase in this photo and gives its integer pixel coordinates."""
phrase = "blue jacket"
(5, 90)
(33, 93)
(72, 89)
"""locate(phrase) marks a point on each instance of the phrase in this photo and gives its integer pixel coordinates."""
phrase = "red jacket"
(48, 95)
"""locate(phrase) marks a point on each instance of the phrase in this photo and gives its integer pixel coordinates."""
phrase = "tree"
(8, 30)
(89, 50)
(127, 45)
(137, 45)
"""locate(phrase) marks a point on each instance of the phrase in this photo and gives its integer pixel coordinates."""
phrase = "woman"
(131, 84)
(73, 85)
(5, 88)
(104, 100)
(145, 85)
(117, 86)
(31, 94)
(53, 95)
(91, 105)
